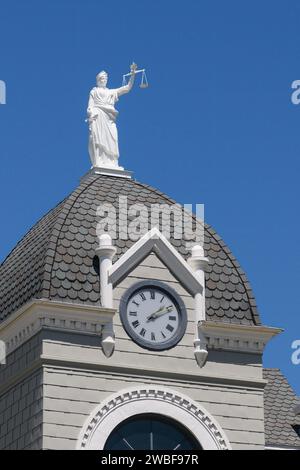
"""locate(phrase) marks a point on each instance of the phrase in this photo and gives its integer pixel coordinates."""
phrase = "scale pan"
(144, 85)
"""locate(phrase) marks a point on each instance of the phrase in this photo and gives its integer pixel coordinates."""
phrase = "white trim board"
(154, 241)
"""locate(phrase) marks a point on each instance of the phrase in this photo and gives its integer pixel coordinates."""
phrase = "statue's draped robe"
(103, 129)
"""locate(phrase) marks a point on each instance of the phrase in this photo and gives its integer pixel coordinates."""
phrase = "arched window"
(171, 419)
(151, 432)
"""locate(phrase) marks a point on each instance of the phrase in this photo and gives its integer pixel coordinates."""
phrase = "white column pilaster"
(198, 263)
(105, 252)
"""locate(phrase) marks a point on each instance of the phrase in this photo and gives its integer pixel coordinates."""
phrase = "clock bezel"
(170, 343)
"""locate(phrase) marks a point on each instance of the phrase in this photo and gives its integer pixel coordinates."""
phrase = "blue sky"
(216, 126)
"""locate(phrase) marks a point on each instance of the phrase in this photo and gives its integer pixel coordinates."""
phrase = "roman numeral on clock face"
(142, 295)
(135, 324)
(153, 336)
(143, 332)
(152, 294)
(170, 327)
(172, 317)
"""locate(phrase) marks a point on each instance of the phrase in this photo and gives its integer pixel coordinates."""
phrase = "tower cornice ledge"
(36, 314)
(236, 337)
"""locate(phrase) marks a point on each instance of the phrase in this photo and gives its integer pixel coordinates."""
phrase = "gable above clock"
(154, 241)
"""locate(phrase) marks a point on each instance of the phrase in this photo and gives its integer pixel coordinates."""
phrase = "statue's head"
(102, 78)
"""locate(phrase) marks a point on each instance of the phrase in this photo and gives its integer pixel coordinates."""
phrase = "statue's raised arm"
(126, 88)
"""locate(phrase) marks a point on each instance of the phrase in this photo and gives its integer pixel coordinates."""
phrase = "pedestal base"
(108, 171)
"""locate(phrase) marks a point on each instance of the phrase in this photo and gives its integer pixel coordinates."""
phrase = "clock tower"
(104, 334)
(128, 339)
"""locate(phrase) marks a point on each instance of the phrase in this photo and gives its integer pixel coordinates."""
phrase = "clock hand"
(159, 312)
(167, 310)
(154, 313)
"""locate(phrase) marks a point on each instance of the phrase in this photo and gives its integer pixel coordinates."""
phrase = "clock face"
(153, 315)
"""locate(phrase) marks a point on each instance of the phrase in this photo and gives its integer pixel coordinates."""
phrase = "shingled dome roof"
(56, 258)
(281, 421)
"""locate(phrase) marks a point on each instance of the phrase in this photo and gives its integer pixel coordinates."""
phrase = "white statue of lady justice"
(102, 115)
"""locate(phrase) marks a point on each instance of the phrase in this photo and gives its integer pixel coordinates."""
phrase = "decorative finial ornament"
(102, 116)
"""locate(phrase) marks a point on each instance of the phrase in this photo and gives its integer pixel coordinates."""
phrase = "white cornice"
(37, 314)
(235, 337)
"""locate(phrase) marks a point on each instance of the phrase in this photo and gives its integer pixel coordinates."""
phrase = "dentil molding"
(37, 314)
(236, 337)
(153, 399)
